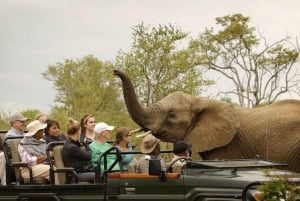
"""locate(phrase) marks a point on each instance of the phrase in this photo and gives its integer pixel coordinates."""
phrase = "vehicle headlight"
(256, 195)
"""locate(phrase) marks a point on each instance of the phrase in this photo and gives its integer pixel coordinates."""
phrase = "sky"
(37, 33)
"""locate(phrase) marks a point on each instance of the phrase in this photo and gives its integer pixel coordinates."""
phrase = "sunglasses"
(20, 121)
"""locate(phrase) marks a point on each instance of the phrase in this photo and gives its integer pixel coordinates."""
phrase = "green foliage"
(278, 189)
(30, 114)
(4, 125)
(60, 114)
(159, 64)
(4, 120)
(259, 71)
(86, 86)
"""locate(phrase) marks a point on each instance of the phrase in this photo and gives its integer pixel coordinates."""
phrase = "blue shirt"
(126, 158)
(13, 133)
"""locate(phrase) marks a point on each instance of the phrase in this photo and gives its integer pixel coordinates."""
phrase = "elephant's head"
(205, 123)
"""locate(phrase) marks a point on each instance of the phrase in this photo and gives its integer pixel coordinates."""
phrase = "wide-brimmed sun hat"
(149, 143)
(33, 127)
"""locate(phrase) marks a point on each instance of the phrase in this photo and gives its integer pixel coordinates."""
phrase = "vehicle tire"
(246, 189)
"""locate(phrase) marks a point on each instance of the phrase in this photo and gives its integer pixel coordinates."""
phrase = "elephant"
(220, 130)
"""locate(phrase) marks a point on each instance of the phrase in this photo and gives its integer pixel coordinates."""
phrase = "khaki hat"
(149, 143)
(17, 117)
(33, 127)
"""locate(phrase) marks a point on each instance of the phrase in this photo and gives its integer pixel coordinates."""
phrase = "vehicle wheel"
(246, 189)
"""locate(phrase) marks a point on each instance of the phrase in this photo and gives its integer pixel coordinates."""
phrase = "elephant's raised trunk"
(136, 111)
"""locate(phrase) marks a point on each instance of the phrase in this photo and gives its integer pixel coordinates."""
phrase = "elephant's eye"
(171, 114)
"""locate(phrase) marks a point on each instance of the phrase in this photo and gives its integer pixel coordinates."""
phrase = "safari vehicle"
(227, 180)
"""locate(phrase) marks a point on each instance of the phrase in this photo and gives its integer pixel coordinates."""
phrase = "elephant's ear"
(215, 124)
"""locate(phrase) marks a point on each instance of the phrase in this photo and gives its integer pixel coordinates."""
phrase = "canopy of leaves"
(260, 72)
(4, 120)
(159, 64)
(86, 86)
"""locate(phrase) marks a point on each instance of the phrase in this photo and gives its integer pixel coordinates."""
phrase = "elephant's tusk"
(136, 130)
(143, 134)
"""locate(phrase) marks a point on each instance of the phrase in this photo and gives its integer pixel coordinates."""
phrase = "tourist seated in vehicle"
(75, 156)
(18, 125)
(151, 148)
(41, 117)
(182, 152)
(123, 142)
(52, 132)
(87, 124)
(32, 150)
(99, 145)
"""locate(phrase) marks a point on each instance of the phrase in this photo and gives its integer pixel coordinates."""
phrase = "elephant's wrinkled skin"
(219, 130)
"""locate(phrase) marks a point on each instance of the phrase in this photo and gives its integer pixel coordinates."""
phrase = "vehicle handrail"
(112, 150)
(139, 152)
(140, 175)
(5, 131)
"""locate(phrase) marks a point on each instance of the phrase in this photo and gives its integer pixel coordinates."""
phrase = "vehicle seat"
(57, 164)
(131, 168)
(2, 134)
(177, 169)
(15, 162)
(61, 177)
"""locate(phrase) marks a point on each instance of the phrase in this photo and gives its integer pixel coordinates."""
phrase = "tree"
(60, 114)
(259, 71)
(86, 86)
(30, 114)
(4, 120)
(159, 64)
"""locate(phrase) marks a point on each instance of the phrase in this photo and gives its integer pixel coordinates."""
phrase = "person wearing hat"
(181, 150)
(41, 117)
(18, 123)
(151, 148)
(76, 156)
(99, 145)
(32, 150)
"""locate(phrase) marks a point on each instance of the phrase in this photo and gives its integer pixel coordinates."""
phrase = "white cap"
(102, 127)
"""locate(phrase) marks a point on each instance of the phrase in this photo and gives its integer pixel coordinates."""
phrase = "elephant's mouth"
(164, 136)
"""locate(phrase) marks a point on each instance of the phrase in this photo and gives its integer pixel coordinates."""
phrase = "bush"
(277, 189)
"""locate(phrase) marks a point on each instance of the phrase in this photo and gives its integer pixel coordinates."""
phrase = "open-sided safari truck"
(229, 180)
